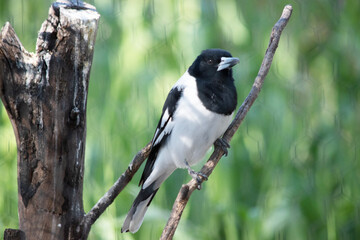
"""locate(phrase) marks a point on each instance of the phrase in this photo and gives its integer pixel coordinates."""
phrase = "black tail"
(137, 211)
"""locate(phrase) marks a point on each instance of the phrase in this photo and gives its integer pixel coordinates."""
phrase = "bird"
(195, 115)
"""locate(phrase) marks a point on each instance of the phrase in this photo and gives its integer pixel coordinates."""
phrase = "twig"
(114, 191)
(187, 189)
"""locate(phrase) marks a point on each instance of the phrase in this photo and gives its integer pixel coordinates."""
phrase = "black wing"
(163, 130)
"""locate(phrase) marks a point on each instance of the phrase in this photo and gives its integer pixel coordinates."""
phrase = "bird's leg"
(220, 142)
(195, 175)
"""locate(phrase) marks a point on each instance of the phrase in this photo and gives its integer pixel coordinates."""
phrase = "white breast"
(196, 128)
(193, 131)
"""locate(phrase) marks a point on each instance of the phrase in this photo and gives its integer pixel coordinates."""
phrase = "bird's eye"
(210, 61)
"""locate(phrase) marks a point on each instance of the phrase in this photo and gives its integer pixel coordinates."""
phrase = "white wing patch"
(166, 122)
(165, 118)
(166, 125)
(191, 128)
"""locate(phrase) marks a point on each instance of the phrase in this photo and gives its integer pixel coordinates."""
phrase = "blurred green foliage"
(293, 171)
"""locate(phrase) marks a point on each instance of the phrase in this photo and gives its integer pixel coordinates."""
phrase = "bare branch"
(114, 191)
(187, 189)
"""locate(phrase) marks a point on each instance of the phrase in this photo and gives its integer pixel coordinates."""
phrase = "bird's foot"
(196, 175)
(223, 144)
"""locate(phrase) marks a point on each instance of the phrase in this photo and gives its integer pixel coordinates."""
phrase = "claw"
(223, 144)
(196, 175)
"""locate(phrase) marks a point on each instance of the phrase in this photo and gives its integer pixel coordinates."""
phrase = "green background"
(293, 170)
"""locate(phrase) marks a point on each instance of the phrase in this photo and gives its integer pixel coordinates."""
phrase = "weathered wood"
(14, 234)
(45, 95)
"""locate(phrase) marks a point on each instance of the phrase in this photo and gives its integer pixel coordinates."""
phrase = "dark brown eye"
(210, 61)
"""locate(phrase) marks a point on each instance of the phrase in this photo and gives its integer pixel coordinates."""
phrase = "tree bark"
(45, 95)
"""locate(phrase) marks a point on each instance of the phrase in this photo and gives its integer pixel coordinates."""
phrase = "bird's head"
(212, 62)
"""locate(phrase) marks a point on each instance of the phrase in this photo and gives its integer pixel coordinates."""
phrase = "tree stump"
(45, 95)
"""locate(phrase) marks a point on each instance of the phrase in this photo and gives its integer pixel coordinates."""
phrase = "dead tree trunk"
(45, 95)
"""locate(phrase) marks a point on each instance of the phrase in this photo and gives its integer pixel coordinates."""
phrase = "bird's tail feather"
(137, 211)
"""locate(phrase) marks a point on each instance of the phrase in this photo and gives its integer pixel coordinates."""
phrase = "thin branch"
(187, 189)
(114, 191)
